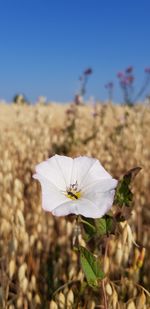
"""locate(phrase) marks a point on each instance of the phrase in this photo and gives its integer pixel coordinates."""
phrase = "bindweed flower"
(78, 186)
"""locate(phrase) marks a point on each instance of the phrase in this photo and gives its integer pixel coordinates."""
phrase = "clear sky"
(46, 44)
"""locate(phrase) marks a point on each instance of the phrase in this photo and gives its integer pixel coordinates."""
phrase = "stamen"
(72, 192)
(73, 196)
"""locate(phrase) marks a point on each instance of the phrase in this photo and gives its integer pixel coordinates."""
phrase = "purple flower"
(120, 74)
(147, 70)
(129, 69)
(88, 71)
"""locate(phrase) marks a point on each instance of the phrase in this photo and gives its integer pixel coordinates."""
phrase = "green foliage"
(105, 225)
(101, 226)
(98, 227)
(91, 267)
(89, 228)
(124, 195)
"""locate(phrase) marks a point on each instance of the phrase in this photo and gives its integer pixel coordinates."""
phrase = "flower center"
(72, 192)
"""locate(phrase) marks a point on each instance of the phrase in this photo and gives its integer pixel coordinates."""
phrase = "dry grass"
(35, 248)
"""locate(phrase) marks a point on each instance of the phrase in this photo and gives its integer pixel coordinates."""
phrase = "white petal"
(88, 170)
(66, 166)
(65, 209)
(100, 186)
(101, 201)
(51, 196)
(88, 209)
(57, 170)
(82, 207)
(97, 186)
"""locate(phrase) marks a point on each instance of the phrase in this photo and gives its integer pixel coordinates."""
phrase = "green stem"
(87, 223)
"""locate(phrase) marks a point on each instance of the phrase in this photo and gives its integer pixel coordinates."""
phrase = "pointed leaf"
(124, 195)
(91, 267)
(101, 226)
(131, 174)
(105, 225)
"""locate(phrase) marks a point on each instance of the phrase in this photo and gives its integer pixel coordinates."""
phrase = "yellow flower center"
(72, 192)
(73, 195)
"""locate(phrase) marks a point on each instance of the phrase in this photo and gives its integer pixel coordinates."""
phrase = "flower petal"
(87, 170)
(70, 207)
(66, 166)
(101, 201)
(102, 185)
(57, 170)
(88, 209)
(96, 185)
(83, 207)
(51, 196)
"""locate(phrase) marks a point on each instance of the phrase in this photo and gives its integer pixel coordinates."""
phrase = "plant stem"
(64, 285)
(87, 223)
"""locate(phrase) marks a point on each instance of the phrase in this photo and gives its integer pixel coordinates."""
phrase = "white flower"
(78, 186)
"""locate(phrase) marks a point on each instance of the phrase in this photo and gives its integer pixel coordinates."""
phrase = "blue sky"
(45, 45)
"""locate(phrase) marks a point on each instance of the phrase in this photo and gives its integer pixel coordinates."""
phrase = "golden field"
(36, 256)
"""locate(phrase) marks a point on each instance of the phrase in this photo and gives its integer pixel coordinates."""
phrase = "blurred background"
(74, 80)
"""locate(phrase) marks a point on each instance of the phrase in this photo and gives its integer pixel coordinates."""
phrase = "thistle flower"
(120, 74)
(75, 186)
(129, 70)
(88, 71)
(147, 70)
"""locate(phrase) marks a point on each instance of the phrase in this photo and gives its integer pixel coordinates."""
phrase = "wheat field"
(38, 268)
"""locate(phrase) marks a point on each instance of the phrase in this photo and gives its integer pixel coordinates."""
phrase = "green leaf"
(91, 267)
(101, 226)
(111, 224)
(89, 227)
(105, 225)
(123, 196)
